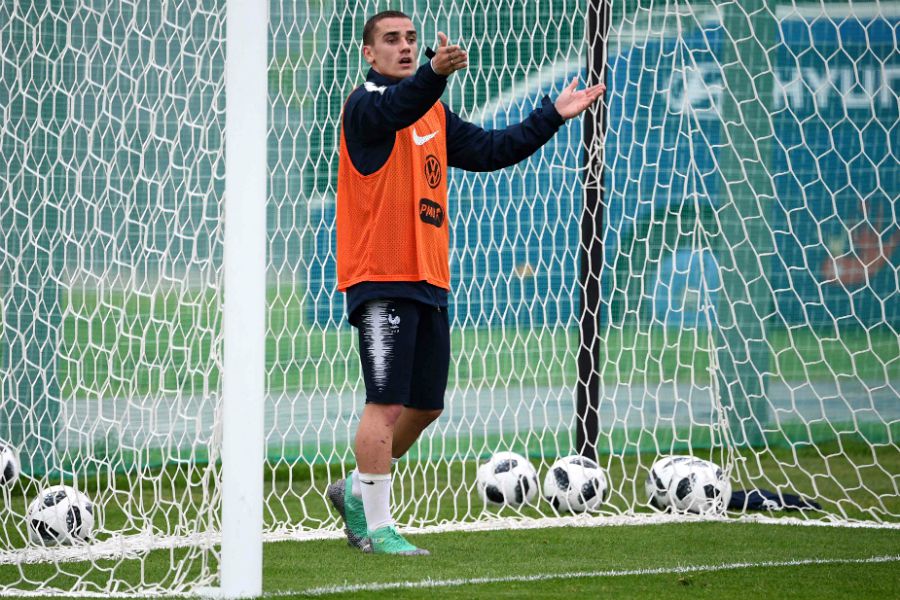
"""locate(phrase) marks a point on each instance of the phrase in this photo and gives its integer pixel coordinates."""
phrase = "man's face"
(394, 50)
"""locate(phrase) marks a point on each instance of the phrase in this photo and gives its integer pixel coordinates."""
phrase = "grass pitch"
(683, 560)
(592, 562)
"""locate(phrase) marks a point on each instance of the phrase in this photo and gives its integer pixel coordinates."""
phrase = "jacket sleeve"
(373, 111)
(472, 148)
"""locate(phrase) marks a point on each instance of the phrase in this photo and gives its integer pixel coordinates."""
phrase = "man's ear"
(368, 54)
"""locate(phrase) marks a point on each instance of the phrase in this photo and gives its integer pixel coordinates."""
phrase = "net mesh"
(749, 306)
(110, 273)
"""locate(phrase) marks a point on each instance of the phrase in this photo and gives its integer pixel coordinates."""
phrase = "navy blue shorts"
(404, 348)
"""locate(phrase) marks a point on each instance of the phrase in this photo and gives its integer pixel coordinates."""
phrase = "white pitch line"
(439, 583)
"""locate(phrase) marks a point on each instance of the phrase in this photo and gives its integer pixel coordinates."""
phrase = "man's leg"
(373, 442)
(374, 438)
(387, 344)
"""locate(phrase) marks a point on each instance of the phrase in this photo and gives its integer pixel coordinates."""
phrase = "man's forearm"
(475, 149)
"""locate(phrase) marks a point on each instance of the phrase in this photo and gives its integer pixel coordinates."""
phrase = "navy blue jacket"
(373, 114)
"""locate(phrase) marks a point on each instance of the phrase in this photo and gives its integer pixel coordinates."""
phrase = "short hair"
(369, 28)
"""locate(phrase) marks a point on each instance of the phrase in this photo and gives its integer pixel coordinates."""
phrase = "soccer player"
(397, 141)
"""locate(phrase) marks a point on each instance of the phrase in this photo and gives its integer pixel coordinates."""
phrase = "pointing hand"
(448, 59)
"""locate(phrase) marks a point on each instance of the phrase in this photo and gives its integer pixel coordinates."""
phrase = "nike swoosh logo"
(367, 482)
(371, 87)
(421, 139)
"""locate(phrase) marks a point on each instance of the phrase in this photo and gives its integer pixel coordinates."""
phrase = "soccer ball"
(575, 484)
(9, 465)
(60, 515)
(508, 479)
(688, 484)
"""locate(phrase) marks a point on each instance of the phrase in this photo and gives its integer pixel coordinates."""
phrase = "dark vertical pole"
(587, 426)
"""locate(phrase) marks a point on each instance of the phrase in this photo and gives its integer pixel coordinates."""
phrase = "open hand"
(448, 59)
(572, 102)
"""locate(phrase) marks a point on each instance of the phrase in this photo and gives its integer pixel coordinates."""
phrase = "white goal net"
(736, 210)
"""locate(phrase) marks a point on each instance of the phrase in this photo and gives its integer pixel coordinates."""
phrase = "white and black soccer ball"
(9, 465)
(60, 515)
(688, 484)
(508, 479)
(576, 484)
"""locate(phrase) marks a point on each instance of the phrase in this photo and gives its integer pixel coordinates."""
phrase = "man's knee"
(387, 413)
(392, 412)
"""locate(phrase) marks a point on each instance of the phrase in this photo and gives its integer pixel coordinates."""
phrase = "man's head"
(390, 44)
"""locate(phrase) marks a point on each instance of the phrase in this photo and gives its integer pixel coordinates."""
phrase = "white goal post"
(244, 310)
(710, 257)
